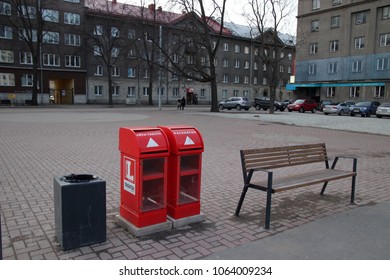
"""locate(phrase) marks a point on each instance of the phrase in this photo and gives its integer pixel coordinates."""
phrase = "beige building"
(343, 50)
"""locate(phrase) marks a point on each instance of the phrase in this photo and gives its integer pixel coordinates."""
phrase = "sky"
(234, 12)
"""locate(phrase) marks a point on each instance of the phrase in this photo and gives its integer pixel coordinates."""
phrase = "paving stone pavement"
(37, 144)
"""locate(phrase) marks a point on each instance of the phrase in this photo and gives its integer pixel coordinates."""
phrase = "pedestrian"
(183, 103)
(179, 104)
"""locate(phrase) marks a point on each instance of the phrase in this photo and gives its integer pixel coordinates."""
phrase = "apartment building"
(344, 50)
(93, 45)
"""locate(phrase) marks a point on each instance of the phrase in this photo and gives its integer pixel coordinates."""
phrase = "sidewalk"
(357, 234)
(37, 144)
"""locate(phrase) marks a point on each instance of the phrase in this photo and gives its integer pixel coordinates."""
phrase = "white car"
(383, 110)
(340, 108)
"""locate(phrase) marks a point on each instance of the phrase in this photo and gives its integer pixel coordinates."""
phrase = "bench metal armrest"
(354, 167)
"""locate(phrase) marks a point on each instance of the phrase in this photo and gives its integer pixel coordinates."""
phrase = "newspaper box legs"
(144, 157)
(184, 174)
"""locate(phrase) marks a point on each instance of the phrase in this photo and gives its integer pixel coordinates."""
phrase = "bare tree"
(192, 56)
(104, 36)
(29, 26)
(267, 17)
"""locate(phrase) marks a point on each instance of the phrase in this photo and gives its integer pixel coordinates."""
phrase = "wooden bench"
(268, 159)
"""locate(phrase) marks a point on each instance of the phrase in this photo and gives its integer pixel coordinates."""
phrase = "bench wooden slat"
(306, 179)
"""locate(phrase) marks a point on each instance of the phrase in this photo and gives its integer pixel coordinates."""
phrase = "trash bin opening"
(77, 178)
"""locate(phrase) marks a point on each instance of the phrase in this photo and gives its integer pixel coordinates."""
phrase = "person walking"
(183, 103)
(178, 104)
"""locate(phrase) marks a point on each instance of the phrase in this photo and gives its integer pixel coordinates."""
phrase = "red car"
(302, 105)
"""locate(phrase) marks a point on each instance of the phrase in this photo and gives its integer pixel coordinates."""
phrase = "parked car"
(383, 110)
(364, 108)
(235, 102)
(302, 105)
(340, 108)
(265, 103)
(322, 104)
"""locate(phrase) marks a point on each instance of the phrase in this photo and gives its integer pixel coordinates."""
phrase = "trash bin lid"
(183, 138)
(142, 141)
(78, 178)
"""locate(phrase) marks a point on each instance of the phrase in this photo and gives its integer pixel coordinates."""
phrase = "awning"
(357, 84)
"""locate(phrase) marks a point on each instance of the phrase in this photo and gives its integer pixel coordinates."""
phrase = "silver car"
(340, 108)
(236, 103)
(383, 110)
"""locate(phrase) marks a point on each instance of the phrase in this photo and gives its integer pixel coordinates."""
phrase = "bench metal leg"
(323, 188)
(268, 206)
(353, 181)
(244, 190)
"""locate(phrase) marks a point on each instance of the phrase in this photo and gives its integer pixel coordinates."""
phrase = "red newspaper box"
(184, 170)
(144, 152)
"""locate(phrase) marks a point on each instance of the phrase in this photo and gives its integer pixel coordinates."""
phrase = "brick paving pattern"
(37, 144)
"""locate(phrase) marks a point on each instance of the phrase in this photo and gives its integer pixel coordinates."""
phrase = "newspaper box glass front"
(184, 170)
(144, 154)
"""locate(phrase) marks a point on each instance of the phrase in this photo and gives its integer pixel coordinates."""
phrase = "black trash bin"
(80, 210)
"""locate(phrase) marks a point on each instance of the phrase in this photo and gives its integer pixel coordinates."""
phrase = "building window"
(236, 64)
(50, 15)
(50, 37)
(225, 62)
(379, 92)
(385, 12)
(330, 92)
(115, 71)
(115, 52)
(246, 80)
(6, 56)
(357, 66)
(334, 46)
(246, 64)
(382, 64)
(72, 18)
(332, 68)
(384, 40)
(265, 81)
(224, 93)
(264, 67)
(5, 8)
(72, 39)
(255, 80)
(245, 93)
(236, 79)
(146, 73)
(130, 91)
(225, 78)
(315, 4)
(145, 91)
(5, 32)
(289, 69)
(7, 80)
(99, 70)
(315, 26)
(131, 72)
(236, 93)
(98, 90)
(114, 32)
(246, 50)
(27, 80)
(237, 48)
(312, 69)
(131, 34)
(72, 61)
(203, 92)
(26, 58)
(281, 69)
(27, 11)
(361, 17)
(313, 48)
(51, 59)
(175, 92)
(97, 51)
(335, 22)
(28, 35)
(72, 1)
(115, 90)
(359, 42)
(354, 92)
(160, 91)
(225, 47)
(336, 2)
(255, 65)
